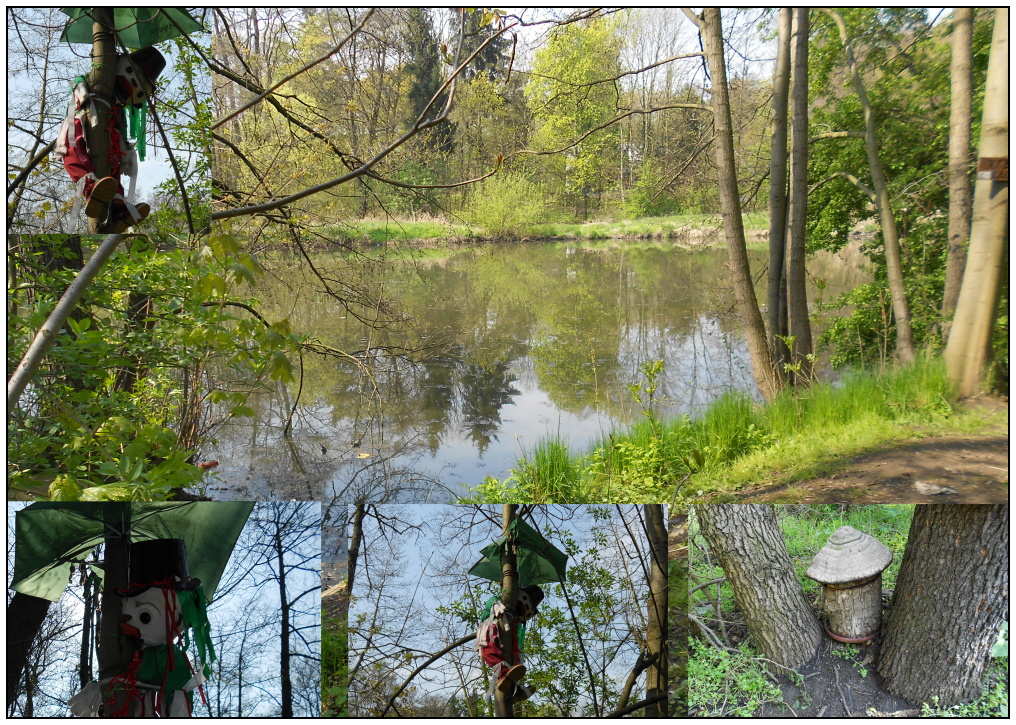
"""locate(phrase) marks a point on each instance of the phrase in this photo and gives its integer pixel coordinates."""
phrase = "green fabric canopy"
(539, 562)
(49, 536)
(135, 28)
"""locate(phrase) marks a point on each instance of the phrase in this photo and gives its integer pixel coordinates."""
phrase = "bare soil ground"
(931, 470)
(835, 687)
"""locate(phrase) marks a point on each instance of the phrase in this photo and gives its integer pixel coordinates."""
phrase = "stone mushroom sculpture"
(850, 567)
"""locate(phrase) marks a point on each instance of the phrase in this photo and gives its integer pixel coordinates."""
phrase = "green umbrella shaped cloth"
(50, 536)
(135, 27)
(539, 562)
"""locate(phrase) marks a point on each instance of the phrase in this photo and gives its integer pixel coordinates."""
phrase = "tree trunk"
(968, 351)
(678, 624)
(504, 702)
(85, 654)
(747, 541)
(890, 236)
(952, 594)
(100, 82)
(656, 621)
(766, 375)
(284, 657)
(797, 292)
(777, 288)
(25, 615)
(355, 540)
(959, 159)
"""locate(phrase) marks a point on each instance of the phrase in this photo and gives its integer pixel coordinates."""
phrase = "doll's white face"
(146, 612)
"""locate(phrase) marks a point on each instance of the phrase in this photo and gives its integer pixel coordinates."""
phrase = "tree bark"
(766, 375)
(968, 351)
(959, 159)
(747, 541)
(25, 615)
(656, 621)
(797, 292)
(952, 593)
(100, 82)
(115, 650)
(890, 235)
(504, 702)
(776, 298)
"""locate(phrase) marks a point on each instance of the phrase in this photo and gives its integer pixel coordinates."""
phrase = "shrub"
(506, 205)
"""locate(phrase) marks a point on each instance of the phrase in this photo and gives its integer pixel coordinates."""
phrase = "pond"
(475, 355)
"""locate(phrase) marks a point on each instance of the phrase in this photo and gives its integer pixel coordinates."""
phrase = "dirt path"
(951, 469)
(834, 686)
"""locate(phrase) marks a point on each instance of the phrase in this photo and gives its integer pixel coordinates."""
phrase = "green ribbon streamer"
(136, 126)
(194, 609)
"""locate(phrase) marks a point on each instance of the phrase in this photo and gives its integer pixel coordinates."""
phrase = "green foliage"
(647, 197)
(101, 419)
(909, 94)
(685, 458)
(334, 667)
(727, 684)
(506, 206)
(566, 107)
(993, 701)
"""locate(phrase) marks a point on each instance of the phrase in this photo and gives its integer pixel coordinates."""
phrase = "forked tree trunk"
(766, 375)
(656, 622)
(968, 351)
(880, 188)
(959, 159)
(747, 541)
(797, 293)
(952, 593)
(776, 297)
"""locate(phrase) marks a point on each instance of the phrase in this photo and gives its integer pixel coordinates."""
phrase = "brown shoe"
(102, 194)
(122, 218)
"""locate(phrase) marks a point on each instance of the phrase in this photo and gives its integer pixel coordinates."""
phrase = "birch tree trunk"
(968, 351)
(797, 292)
(656, 621)
(747, 541)
(952, 593)
(776, 297)
(880, 187)
(766, 375)
(959, 159)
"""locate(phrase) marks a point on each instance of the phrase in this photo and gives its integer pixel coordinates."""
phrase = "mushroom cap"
(849, 555)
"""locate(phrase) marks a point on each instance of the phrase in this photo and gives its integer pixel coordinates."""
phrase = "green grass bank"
(425, 232)
(739, 443)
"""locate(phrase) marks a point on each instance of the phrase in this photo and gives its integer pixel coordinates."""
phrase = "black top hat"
(150, 62)
(157, 561)
(535, 594)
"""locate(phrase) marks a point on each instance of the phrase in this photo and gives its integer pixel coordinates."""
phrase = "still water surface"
(478, 354)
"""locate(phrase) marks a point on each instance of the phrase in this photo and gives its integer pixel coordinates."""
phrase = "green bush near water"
(737, 442)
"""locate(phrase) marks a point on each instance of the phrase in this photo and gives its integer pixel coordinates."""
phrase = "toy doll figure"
(104, 198)
(505, 658)
(160, 605)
